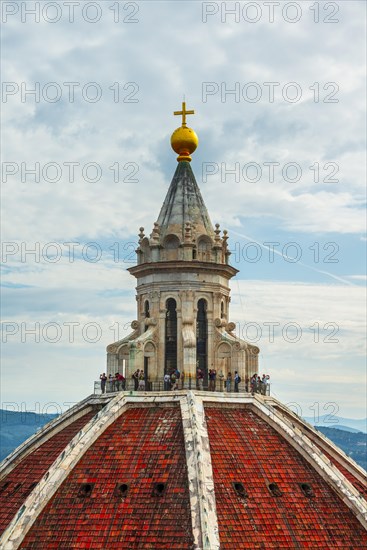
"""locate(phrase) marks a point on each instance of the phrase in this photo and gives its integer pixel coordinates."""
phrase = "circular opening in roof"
(86, 489)
(159, 488)
(274, 489)
(122, 489)
(240, 489)
(4, 486)
(307, 489)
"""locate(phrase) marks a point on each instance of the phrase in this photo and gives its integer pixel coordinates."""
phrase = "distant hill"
(16, 427)
(353, 444)
(337, 422)
(344, 428)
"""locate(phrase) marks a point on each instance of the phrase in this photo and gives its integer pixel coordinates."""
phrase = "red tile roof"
(143, 447)
(15, 487)
(246, 449)
(323, 446)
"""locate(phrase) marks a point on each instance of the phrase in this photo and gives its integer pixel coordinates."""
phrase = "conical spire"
(184, 204)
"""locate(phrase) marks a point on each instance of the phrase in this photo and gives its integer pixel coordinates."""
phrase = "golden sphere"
(184, 141)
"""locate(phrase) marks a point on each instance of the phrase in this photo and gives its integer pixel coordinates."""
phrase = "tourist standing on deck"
(200, 379)
(141, 381)
(136, 379)
(212, 378)
(103, 379)
(237, 380)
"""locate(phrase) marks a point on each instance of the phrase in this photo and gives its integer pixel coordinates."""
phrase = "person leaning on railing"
(259, 385)
(212, 379)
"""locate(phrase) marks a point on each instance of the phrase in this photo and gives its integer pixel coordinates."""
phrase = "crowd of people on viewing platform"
(255, 384)
(115, 383)
(175, 381)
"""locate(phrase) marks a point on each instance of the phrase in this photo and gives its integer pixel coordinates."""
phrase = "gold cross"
(184, 113)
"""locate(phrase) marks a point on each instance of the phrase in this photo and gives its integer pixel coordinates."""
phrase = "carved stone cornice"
(193, 266)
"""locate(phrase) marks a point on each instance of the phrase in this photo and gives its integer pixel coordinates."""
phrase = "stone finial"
(217, 233)
(225, 238)
(141, 234)
(156, 232)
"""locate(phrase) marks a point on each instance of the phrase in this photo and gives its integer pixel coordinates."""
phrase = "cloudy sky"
(87, 99)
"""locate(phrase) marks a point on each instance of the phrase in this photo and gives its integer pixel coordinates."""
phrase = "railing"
(157, 385)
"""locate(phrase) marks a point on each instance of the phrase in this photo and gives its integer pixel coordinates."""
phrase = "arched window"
(171, 337)
(205, 249)
(145, 248)
(146, 309)
(170, 245)
(202, 338)
(146, 312)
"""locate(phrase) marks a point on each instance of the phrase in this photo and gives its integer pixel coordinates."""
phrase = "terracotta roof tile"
(246, 449)
(321, 445)
(141, 448)
(16, 486)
